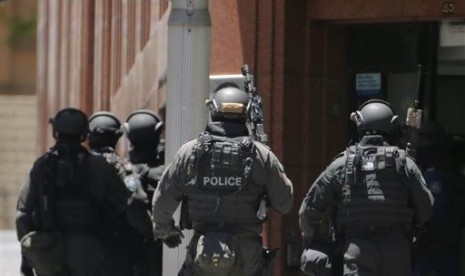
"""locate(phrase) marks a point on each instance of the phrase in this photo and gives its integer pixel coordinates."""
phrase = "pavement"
(10, 257)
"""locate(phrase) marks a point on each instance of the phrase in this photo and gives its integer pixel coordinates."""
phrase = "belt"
(233, 228)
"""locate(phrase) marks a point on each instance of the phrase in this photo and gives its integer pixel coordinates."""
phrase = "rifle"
(257, 128)
(414, 115)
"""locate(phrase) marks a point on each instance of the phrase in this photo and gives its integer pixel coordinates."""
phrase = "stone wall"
(17, 150)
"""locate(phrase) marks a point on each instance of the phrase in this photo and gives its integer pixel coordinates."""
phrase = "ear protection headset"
(102, 129)
(134, 127)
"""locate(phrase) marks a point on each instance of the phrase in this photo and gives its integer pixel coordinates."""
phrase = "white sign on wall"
(452, 33)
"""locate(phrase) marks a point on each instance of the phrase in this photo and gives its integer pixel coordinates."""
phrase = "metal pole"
(187, 88)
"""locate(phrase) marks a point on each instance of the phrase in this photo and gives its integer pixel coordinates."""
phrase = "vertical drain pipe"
(187, 88)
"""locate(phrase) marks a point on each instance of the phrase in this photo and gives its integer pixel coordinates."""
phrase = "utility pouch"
(215, 253)
(44, 251)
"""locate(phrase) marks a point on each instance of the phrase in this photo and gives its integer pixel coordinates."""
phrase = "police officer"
(377, 194)
(65, 202)
(437, 249)
(143, 128)
(225, 175)
(104, 133)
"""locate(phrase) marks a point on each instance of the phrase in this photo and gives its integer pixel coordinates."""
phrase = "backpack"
(215, 253)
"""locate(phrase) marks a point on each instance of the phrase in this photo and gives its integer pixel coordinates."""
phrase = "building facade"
(18, 106)
(312, 60)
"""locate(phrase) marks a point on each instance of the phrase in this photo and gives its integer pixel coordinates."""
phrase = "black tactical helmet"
(143, 126)
(375, 116)
(70, 124)
(104, 130)
(228, 102)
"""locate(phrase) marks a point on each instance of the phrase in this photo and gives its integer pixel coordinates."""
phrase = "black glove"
(171, 238)
(172, 241)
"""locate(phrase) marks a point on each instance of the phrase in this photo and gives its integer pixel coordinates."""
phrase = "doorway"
(383, 62)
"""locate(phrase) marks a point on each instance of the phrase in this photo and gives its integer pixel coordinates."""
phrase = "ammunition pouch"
(44, 251)
(215, 253)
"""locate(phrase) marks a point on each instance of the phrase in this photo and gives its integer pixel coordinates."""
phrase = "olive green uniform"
(266, 177)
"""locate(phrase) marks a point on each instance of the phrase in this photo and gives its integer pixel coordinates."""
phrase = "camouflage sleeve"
(422, 199)
(170, 189)
(121, 168)
(321, 194)
(153, 177)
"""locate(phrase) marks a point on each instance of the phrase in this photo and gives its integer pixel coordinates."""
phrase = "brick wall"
(100, 55)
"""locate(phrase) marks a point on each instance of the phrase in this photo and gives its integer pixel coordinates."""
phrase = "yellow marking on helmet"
(232, 108)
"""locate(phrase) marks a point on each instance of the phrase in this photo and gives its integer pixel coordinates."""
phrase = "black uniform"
(378, 194)
(72, 194)
(143, 128)
(224, 187)
(148, 253)
(133, 225)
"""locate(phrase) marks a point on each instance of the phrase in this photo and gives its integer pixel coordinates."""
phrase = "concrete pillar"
(187, 88)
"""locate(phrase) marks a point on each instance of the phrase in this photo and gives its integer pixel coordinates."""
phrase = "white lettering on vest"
(222, 181)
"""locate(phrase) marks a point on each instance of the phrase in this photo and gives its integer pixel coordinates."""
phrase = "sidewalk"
(9, 253)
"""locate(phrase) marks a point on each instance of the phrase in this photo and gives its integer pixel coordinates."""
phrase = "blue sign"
(368, 84)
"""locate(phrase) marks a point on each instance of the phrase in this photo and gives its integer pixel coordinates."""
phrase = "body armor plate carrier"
(375, 193)
(220, 190)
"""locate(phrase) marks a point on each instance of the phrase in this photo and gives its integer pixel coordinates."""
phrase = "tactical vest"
(374, 193)
(220, 190)
(76, 208)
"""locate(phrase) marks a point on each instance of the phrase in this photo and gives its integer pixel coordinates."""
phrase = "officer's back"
(227, 181)
(143, 128)
(378, 195)
(64, 204)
